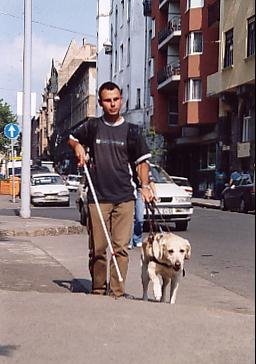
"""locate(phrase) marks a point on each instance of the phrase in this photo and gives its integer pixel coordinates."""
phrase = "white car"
(184, 183)
(173, 203)
(48, 188)
(73, 181)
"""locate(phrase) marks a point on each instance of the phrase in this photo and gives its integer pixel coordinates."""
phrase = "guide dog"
(162, 256)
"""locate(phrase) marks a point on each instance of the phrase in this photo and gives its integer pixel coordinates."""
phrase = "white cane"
(102, 222)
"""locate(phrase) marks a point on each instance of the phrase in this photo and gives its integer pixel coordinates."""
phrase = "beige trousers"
(119, 222)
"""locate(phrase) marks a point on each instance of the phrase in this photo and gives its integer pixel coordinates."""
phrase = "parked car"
(184, 183)
(49, 189)
(73, 181)
(173, 202)
(35, 169)
(240, 196)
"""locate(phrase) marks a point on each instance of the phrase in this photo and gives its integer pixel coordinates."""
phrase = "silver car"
(48, 189)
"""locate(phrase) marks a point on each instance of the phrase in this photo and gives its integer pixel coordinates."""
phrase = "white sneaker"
(139, 245)
(130, 246)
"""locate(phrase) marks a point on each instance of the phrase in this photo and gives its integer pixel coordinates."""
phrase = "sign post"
(12, 131)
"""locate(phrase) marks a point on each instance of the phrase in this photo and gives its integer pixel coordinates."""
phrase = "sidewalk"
(44, 319)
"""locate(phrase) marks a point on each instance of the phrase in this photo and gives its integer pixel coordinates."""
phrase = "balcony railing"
(174, 24)
(168, 72)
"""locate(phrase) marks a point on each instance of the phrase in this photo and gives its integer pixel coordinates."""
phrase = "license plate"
(166, 211)
(50, 198)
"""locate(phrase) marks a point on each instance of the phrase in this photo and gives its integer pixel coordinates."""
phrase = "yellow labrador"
(163, 256)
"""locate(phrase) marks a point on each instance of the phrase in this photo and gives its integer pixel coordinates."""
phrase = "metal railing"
(174, 24)
(169, 71)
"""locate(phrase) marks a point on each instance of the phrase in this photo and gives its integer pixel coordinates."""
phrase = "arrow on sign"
(12, 131)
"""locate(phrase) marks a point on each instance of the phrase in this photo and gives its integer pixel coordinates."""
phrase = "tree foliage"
(6, 117)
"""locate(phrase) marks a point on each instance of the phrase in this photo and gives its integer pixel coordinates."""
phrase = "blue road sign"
(11, 131)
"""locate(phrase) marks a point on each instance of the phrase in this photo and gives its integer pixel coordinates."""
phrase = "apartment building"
(68, 99)
(185, 52)
(234, 85)
(121, 53)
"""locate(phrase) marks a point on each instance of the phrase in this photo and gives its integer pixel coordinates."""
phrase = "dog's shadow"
(76, 285)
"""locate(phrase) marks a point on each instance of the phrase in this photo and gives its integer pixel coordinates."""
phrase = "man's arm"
(78, 150)
(143, 173)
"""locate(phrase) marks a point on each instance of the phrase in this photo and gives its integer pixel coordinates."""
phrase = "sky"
(77, 17)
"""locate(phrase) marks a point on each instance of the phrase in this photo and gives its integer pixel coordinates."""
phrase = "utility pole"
(26, 115)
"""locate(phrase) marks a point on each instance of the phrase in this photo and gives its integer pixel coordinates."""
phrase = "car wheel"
(83, 216)
(223, 204)
(181, 225)
(242, 206)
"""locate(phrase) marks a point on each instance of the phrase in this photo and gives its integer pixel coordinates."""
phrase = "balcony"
(170, 34)
(168, 76)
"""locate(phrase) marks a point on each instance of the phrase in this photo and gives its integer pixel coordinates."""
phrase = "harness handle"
(152, 223)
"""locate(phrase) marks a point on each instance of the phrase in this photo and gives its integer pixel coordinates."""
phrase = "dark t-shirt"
(111, 170)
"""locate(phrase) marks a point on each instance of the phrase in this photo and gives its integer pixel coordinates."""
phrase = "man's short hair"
(108, 86)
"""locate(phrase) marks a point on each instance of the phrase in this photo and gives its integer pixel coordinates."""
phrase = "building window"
(194, 43)
(116, 65)
(193, 90)
(128, 10)
(251, 36)
(248, 129)
(195, 4)
(138, 100)
(121, 62)
(228, 58)
(208, 157)
(127, 99)
(128, 51)
(122, 14)
(116, 20)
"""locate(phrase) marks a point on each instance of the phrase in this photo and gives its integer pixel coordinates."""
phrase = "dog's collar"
(153, 259)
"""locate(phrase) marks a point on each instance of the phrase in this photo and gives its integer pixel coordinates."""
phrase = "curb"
(47, 231)
(207, 205)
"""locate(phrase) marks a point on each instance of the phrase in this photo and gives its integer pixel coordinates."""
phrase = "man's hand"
(80, 155)
(147, 194)
(79, 151)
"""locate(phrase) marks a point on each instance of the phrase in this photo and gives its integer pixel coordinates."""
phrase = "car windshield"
(159, 175)
(181, 182)
(47, 180)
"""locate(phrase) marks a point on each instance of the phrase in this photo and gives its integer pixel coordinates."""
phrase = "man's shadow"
(76, 285)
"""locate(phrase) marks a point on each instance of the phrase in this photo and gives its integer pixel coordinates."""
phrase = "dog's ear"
(188, 250)
(158, 247)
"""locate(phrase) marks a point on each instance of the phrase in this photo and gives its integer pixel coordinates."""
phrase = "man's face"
(111, 102)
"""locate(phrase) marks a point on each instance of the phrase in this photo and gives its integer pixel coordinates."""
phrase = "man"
(111, 173)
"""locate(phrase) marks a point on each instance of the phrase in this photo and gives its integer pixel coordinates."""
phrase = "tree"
(6, 117)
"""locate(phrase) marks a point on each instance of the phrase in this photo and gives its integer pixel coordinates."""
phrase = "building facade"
(185, 52)
(234, 85)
